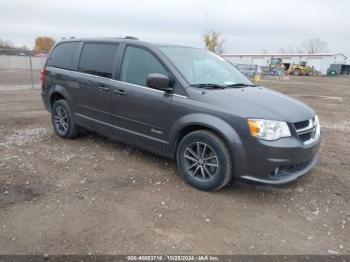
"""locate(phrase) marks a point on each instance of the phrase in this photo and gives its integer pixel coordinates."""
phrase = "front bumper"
(276, 162)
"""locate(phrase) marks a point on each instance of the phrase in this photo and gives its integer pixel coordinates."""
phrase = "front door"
(139, 113)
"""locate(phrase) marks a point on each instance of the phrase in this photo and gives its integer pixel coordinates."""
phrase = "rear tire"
(62, 120)
(204, 160)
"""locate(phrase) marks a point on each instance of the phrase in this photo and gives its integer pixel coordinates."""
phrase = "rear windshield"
(65, 56)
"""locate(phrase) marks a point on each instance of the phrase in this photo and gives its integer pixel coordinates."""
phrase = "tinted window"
(98, 59)
(138, 64)
(64, 55)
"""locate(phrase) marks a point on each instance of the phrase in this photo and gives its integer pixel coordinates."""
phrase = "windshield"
(200, 66)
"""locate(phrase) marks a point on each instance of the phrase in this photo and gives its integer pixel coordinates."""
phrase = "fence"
(264, 72)
(248, 70)
(20, 68)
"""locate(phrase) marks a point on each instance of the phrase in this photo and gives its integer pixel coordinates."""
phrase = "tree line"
(43, 44)
(214, 42)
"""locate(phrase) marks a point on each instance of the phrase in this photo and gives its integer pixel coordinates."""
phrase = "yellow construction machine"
(301, 69)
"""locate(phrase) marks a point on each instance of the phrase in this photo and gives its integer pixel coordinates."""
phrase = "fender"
(209, 121)
(58, 89)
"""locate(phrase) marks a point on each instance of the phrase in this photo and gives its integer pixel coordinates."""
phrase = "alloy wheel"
(61, 120)
(201, 161)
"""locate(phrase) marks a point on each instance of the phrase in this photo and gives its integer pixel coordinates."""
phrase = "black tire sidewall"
(224, 159)
(71, 126)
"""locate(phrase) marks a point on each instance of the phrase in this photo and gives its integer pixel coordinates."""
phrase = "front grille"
(306, 129)
(305, 137)
(302, 124)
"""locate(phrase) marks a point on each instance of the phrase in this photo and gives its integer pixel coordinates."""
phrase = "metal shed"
(321, 62)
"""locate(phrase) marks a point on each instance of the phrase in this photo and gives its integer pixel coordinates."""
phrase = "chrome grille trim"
(310, 130)
(306, 129)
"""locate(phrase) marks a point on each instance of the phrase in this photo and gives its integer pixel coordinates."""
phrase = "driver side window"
(138, 64)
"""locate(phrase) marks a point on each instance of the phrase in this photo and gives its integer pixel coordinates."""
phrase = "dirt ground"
(93, 195)
(19, 79)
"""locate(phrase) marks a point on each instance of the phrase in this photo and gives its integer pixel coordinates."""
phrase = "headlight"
(268, 129)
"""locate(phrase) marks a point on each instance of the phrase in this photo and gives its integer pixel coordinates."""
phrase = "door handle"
(103, 89)
(120, 92)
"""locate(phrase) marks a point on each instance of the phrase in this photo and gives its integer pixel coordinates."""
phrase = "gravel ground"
(95, 196)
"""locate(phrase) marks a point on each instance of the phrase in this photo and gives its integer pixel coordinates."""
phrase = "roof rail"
(131, 37)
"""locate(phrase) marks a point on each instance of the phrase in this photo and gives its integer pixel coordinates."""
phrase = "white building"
(321, 62)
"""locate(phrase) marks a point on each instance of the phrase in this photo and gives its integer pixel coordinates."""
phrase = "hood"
(260, 102)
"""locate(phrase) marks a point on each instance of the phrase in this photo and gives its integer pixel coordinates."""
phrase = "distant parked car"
(22, 54)
(183, 103)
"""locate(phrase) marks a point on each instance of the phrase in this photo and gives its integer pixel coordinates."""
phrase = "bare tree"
(289, 50)
(314, 45)
(221, 46)
(6, 44)
(282, 51)
(264, 51)
(24, 47)
(8, 48)
(213, 43)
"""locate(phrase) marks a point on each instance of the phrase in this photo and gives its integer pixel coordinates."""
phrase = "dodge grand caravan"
(183, 103)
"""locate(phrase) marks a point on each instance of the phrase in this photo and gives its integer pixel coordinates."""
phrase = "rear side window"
(98, 59)
(65, 56)
(138, 64)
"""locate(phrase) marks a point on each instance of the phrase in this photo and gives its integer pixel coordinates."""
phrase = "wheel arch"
(57, 93)
(199, 121)
(55, 97)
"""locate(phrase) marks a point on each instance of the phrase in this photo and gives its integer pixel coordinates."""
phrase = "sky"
(248, 26)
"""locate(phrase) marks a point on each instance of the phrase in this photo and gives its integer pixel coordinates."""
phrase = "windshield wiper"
(240, 85)
(208, 86)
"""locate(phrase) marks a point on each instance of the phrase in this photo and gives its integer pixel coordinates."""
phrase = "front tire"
(204, 160)
(62, 120)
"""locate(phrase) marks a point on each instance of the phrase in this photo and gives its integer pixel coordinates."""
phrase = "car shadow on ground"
(168, 165)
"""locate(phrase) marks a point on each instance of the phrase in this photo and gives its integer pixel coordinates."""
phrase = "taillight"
(42, 77)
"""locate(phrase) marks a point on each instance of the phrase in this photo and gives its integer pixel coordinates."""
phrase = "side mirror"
(159, 81)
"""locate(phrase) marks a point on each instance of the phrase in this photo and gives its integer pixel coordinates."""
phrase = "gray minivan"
(183, 103)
